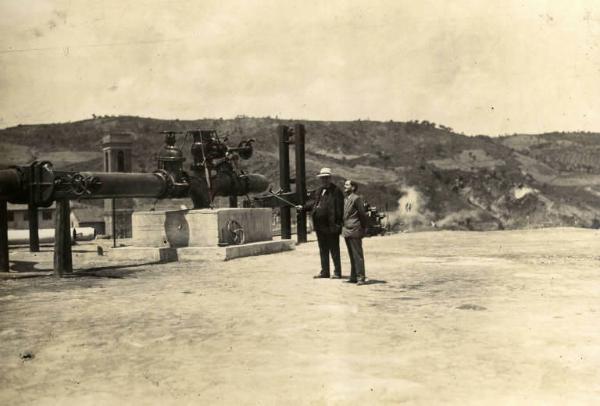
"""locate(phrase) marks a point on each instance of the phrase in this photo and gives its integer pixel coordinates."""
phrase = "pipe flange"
(167, 181)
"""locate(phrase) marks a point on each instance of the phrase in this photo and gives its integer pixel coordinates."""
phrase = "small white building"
(82, 215)
(18, 216)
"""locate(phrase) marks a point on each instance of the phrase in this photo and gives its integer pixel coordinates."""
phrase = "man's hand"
(299, 207)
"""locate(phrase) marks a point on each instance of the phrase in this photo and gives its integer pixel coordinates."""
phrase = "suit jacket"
(327, 205)
(355, 217)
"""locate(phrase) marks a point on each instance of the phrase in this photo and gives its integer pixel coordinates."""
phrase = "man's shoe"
(320, 275)
(336, 276)
(358, 283)
(351, 281)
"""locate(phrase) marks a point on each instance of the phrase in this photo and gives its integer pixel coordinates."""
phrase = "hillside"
(424, 174)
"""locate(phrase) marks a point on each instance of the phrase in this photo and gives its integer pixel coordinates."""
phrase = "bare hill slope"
(424, 174)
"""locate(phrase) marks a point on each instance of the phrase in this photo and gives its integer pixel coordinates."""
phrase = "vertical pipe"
(63, 260)
(284, 180)
(32, 211)
(4, 260)
(299, 136)
(114, 223)
(34, 239)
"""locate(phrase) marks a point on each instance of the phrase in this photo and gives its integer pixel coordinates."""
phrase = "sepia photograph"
(277, 202)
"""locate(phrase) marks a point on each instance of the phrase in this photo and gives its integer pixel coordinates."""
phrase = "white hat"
(324, 172)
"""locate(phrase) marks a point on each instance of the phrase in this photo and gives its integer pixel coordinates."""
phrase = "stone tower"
(116, 149)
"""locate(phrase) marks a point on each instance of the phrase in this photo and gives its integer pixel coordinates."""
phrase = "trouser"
(329, 243)
(357, 259)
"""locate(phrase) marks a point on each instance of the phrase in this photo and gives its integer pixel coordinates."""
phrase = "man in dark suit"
(327, 205)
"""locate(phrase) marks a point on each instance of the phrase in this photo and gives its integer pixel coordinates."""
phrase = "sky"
(480, 67)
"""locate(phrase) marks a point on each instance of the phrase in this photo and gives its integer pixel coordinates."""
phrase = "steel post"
(4, 260)
(114, 222)
(63, 258)
(32, 210)
(284, 179)
(34, 239)
(299, 139)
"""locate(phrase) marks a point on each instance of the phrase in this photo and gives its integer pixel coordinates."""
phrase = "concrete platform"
(149, 254)
(193, 254)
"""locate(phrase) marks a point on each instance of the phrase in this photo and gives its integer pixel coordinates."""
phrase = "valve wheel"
(236, 232)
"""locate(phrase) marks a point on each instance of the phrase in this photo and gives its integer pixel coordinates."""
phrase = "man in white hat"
(327, 213)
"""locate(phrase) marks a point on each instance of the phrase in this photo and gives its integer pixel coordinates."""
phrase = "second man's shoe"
(361, 282)
(336, 276)
(320, 275)
(351, 281)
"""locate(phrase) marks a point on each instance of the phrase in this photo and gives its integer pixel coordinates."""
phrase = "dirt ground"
(507, 317)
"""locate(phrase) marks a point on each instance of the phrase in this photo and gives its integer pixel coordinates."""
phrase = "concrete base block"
(149, 230)
(203, 254)
(191, 254)
(146, 254)
(199, 228)
(201, 235)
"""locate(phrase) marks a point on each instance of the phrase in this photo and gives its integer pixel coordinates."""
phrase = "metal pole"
(63, 260)
(114, 223)
(4, 260)
(299, 136)
(284, 179)
(32, 211)
(34, 239)
(282, 199)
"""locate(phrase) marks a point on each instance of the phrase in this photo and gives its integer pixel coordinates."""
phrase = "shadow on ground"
(26, 266)
(374, 282)
(368, 281)
(113, 271)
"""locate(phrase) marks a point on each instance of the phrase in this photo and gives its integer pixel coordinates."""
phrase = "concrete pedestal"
(193, 235)
(199, 228)
(194, 254)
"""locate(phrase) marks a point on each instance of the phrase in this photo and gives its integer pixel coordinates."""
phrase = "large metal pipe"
(109, 185)
(229, 184)
(85, 185)
(10, 183)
